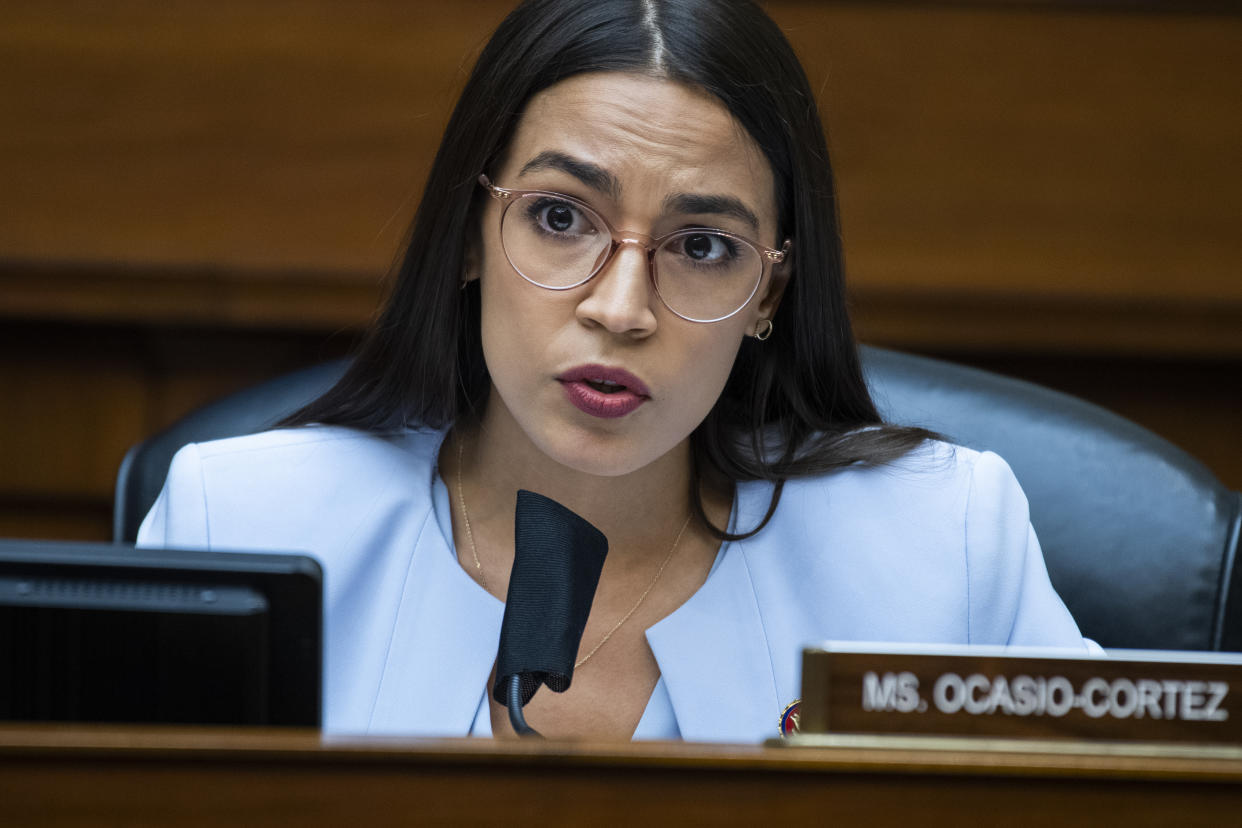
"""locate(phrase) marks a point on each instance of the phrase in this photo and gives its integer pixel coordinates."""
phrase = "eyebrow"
(711, 204)
(592, 175)
(600, 180)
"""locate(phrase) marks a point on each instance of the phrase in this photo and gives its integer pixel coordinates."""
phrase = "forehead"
(653, 135)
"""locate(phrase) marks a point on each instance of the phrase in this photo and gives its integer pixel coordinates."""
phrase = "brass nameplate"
(1151, 696)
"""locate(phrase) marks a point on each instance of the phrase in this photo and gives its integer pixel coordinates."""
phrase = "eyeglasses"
(558, 242)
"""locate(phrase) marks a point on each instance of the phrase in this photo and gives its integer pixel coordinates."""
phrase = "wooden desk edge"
(869, 755)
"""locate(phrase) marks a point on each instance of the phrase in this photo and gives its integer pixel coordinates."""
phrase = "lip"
(606, 405)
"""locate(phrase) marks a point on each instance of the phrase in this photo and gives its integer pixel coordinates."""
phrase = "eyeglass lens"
(702, 275)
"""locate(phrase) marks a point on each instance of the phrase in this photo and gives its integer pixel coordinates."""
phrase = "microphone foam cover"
(557, 559)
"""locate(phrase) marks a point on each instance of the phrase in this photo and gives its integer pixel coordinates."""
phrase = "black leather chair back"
(1140, 538)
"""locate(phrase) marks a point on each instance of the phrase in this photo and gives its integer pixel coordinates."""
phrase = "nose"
(620, 298)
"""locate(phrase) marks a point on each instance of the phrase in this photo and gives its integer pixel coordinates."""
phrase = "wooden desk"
(146, 776)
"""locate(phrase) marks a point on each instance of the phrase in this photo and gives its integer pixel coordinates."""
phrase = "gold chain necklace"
(461, 497)
(478, 567)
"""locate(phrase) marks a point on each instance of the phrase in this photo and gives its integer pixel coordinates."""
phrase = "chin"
(595, 454)
(597, 463)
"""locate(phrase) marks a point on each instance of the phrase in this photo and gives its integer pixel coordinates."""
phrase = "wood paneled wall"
(195, 195)
(77, 396)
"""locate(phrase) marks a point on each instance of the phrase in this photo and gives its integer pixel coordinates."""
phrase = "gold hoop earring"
(762, 333)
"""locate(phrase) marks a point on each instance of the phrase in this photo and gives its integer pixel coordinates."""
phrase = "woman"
(622, 290)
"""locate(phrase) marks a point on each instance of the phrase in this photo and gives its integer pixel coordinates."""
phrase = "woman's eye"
(708, 248)
(560, 217)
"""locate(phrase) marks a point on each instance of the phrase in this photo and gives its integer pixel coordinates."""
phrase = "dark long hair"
(794, 405)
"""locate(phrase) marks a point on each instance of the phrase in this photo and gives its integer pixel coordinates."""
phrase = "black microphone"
(557, 558)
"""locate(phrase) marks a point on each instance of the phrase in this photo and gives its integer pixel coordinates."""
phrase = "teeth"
(604, 385)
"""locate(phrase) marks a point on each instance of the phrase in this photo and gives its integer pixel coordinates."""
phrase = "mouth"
(602, 391)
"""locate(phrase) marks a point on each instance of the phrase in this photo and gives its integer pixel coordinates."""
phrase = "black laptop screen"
(104, 633)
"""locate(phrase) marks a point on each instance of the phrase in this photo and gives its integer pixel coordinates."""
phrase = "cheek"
(518, 323)
(504, 336)
(704, 373)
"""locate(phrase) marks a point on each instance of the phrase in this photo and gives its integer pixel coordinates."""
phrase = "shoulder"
(317, 442)
(935, 546)
(936, 484)
(306, 462)
(272, 489)
(920, 532)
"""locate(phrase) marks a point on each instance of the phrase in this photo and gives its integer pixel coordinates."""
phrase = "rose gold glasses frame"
(509, 197)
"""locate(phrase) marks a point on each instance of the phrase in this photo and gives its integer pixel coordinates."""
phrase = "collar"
(713, 651)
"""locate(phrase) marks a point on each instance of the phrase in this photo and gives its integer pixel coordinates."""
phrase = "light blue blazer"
(936, 547)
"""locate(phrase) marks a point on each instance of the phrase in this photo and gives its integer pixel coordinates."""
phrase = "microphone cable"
(516, 717)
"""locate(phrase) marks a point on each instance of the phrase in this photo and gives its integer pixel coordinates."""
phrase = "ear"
(777, 282)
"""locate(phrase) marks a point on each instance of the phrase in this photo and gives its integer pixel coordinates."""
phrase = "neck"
(639, 511)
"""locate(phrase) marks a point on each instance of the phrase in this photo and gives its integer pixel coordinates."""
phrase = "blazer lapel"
(714, 656)
(443, 646)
